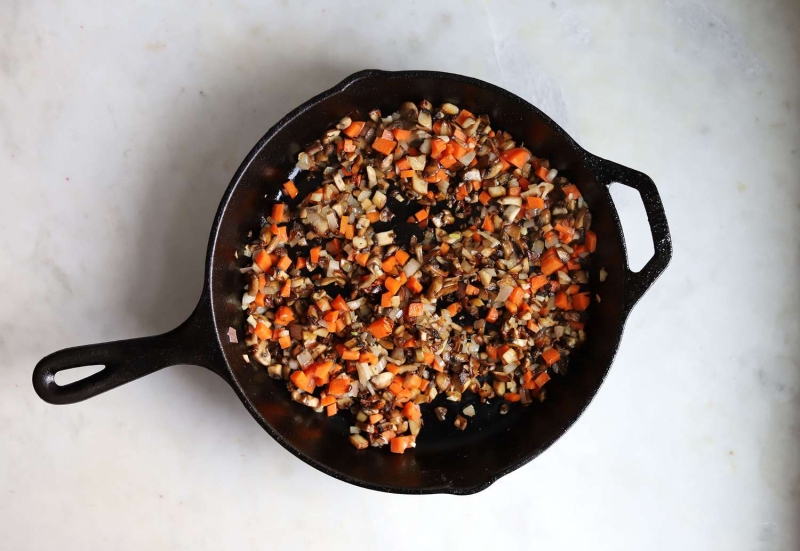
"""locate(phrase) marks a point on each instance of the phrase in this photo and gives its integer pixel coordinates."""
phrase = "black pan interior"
(446, 459)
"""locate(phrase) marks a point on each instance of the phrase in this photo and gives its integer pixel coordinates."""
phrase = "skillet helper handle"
(637, 283)
(125, 361)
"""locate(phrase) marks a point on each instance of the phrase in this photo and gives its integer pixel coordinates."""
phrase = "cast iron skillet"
(446, 459)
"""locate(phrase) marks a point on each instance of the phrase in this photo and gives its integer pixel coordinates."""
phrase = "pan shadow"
(202, 148)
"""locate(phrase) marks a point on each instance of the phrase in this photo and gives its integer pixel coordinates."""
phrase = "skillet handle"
(637, 283)
(124, 361)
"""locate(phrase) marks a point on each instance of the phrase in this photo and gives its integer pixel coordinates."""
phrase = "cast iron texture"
(446, 459)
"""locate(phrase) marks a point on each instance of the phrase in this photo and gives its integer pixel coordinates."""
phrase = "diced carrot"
(386, 299)
(484, 198)
(410, 343)
(444, 248)
(551, 264)
(284, 316)
(401, 135)
(262, 331)
(591, 240)
(415, 309)
(286, 288)
(411, 410)
(290, 189)
(454, 309)
(492, 315)
(516, 296)
(392, 285)
(407, 173)
(437, 148)
(301, 263)
(511, 307)
(565, 232)
(331, 410)
(339, 304)
(514, 191)
(551, 356)
(350, 355)
(463, 116)
(314, 255)
(573, 289)
(373, 216)
(325, 401)
(532, 326)
(428, 358)
(414, 284)
(401, 256)
(403, 164)
(491, 351)
(454, 148)
(527, 377)
(380, 328)
(472, 290)
(512, 397)
(331, 316)
(322, 370)
(354, 129)
(421, 215)
(423, 385)
(260, 299)
(577, 325)
(534, 203)
(488, 224)
(400, 444)
(579, 250)
(562, 301)
(542, 172)
(581, 301)
(263, 260)
(506, 164)
(447, 161)
(302, 381)
(339, 386)
(412, 381)
(571, 189)
(517, 156)
(277, 212)
(537, 282)
(573, 265)
(343, 224)
(439, 176)
(383, 145)
(361, 259)
(389, 264)
(284, 263)
(541, 379)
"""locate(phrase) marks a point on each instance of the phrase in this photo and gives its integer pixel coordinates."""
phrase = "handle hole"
(75, 374)
(636, 229)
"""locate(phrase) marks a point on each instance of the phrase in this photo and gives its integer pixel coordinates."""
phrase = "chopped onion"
(503, 294)
(232, 336)
(333, 223)
(411, 267)
(417, 162)
(379, 199)
(304, 359)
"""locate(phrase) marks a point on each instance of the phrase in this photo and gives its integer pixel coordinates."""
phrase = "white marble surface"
(121, 126)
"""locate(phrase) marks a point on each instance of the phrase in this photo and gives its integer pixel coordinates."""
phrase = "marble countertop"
(120, 127)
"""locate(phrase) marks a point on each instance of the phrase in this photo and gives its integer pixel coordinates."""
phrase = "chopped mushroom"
(431, 257)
